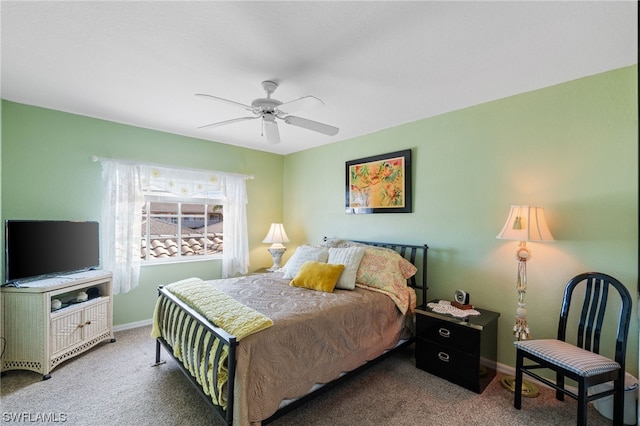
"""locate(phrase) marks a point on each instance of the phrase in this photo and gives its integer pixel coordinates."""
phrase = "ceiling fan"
(270, 109)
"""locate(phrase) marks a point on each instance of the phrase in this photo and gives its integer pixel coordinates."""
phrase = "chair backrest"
(591, 318)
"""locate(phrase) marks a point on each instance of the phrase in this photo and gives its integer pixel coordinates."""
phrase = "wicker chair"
(582, 361)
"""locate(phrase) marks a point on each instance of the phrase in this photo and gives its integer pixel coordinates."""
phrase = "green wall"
(47, 173)
(570, 148)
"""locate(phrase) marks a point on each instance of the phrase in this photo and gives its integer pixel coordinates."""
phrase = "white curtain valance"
(161, 174)
(183, 183)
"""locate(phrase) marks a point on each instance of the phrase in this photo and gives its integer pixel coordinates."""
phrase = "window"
(181, 230)
(134, 193)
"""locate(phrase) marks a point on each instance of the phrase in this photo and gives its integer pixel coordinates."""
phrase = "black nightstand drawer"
(462, 338)
(456, 366)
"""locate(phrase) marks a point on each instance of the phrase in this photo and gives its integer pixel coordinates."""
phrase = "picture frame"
(379, 184)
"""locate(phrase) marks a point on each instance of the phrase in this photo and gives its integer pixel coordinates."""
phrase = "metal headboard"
(416, 254)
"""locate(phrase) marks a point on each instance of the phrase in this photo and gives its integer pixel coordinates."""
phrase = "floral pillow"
(385, 271)
(407, 268)
(338, 243)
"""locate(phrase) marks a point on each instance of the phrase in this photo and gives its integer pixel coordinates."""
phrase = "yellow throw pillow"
(318, 276)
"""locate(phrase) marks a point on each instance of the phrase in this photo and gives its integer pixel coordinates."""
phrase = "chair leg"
(582, 403)
(517, 392)
(618, 401)
(560, 384)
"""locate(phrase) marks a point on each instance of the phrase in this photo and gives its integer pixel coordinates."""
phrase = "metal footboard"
(177, 322)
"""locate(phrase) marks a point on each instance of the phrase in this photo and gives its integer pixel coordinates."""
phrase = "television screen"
(37, 248)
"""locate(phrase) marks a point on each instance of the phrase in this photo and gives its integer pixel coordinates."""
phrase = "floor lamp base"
(529, 390)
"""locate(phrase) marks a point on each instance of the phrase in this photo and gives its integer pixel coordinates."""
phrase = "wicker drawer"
(96, 318)
(65, 330)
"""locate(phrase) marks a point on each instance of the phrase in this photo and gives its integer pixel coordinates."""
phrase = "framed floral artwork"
(379, 184)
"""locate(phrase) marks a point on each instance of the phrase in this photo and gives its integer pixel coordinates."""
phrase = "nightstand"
(460, 350)
(261, 271)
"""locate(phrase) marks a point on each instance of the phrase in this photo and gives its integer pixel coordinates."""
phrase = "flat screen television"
(41, 248)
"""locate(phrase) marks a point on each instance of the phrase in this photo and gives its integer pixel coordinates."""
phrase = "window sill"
(178, 261)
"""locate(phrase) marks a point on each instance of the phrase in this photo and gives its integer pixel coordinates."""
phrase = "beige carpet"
(114, 384)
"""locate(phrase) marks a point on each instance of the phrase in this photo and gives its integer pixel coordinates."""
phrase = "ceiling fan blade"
(311, 125)
(227, 101)
(271, 129)
(224, 123)
(299, 104)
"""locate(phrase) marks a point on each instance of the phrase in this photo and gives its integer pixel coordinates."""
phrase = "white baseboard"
(131, 325)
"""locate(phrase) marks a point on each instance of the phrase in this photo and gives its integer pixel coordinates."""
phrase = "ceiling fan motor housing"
(266, 104)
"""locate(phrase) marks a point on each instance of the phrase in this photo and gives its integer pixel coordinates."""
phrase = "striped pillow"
(350, 257)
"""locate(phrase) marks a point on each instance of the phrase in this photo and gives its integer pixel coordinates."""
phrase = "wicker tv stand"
(38, 337)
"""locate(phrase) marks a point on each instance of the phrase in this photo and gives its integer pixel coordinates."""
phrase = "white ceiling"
(374, 64)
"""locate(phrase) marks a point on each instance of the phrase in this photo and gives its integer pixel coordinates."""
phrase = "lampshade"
(276, 234)
(526, 223)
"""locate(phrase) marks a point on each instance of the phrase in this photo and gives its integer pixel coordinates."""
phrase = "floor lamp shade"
(526, 223)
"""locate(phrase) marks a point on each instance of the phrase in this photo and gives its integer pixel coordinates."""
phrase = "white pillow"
(301, 255)
(350, 257)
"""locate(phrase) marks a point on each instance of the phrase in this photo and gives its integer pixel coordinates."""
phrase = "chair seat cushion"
(568, 356)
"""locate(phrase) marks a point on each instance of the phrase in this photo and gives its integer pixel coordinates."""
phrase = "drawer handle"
(443, 356)
(82, 325)
(444, 332)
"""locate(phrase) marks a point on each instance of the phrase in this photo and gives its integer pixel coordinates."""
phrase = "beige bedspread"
(316, 336)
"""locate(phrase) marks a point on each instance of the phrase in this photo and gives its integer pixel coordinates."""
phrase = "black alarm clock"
(461, 296)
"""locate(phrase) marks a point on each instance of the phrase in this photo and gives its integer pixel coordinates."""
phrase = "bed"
(256, 347)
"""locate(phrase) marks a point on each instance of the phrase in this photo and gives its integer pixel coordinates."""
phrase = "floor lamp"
(523, 224)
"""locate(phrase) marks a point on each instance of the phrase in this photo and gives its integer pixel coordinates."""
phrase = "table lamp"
(276, 236)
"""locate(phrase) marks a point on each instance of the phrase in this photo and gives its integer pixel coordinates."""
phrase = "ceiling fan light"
(271, 128)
